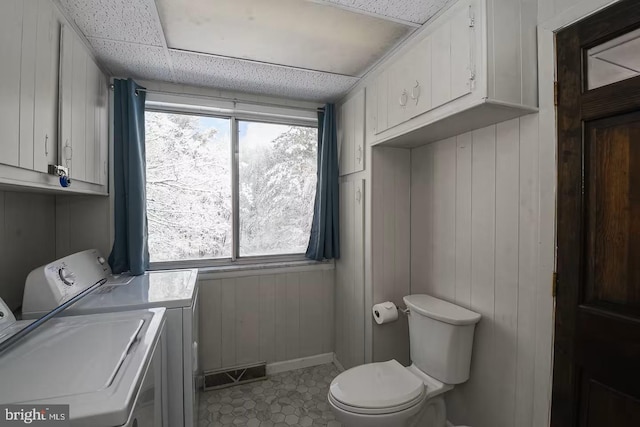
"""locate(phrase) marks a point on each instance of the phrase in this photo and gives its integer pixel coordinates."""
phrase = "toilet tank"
(441, 337)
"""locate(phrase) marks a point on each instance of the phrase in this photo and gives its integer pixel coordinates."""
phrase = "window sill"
(227, 270)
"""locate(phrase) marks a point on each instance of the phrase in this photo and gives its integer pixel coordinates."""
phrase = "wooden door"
(597, 343)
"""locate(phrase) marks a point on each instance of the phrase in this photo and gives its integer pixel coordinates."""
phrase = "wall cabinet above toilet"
(471, 67)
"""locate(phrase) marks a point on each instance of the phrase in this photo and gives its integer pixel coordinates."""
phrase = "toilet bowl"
(386, 394)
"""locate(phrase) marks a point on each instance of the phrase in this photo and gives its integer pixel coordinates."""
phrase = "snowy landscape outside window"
(190, 187)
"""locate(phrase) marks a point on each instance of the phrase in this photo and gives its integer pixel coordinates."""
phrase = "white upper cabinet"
(351, 138)
(53, 102)
(464, 70)
(82, 109)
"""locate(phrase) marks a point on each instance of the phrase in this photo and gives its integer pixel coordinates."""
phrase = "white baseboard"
(303, 362)
(337, 363)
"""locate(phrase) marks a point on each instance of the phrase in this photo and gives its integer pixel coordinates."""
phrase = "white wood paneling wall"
(390, 247)
(83, 222)
(350, 285)
(27, 240)
(474, 241)
(268, 317)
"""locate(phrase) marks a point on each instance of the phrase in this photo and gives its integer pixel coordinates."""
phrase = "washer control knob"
(67, 277)
(101, 260)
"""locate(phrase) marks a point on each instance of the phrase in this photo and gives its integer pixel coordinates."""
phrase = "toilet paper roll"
(385, 312)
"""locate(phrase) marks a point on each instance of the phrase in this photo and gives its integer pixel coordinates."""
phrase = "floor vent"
(229, 377)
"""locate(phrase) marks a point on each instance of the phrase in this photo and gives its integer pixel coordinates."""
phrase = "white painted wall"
(27, 240)
(475, 241)
(268, 316)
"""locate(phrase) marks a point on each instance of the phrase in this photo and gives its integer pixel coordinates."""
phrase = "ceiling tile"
(416, 11)
(295, 33)
(132, 60)
(258, 78)
(133, 21)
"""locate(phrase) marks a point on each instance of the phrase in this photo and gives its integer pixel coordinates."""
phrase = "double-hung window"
(222, 188)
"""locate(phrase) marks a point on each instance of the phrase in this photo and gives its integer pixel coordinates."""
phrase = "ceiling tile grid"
(416, 11)
(258, 78)
(132, 60)
(134, 21)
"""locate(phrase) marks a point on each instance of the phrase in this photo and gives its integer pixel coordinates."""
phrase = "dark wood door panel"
(608, 348)
(612, 187)
(604, 406)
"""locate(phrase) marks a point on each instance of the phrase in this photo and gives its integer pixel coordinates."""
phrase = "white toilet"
(387, 394)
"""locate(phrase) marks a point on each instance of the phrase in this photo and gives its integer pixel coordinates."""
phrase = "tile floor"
(294, 398)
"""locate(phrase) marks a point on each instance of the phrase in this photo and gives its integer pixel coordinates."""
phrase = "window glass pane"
(614, 61)
(188, 186)
(277, 187)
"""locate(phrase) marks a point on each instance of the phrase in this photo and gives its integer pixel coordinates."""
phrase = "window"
(197, 195)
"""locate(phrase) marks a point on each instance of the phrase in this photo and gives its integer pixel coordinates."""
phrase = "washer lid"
(376, 386)
(441, 310)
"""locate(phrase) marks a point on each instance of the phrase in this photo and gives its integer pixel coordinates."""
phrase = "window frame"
(234, 117)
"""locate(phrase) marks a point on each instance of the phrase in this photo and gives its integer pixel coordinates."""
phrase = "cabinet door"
(10, 52)
(65, 90)
(92, 150)
(45, 142)
(103, 113)
(441, 65)
(27, 82)
(382, 103)
(78, 111)
(461, 69)
(398, 93)
(358, 131)
(420, 79)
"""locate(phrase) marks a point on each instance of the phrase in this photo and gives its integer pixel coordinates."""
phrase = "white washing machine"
(107, 367)
(176, 290)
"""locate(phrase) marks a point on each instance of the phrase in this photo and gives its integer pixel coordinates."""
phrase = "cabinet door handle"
(404, 98)
(359, 157)
(415, 92)
(46, 145)
(358, 195)
(68, 150)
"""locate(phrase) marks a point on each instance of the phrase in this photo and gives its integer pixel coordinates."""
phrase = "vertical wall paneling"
(82, 222)
(422, 183)
(463, 219)
(293, 316)
(281, 316)
(349, 277)
(247, 322)
(27, 238)
(228, 322)
(391, 246)
(210, 324)
(266, 317)
(490, 178)
(444, 219)
(27, 81)
(10, 51)
(528, 263)
(506, 267)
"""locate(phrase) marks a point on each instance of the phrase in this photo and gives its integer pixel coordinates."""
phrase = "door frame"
(548, 132)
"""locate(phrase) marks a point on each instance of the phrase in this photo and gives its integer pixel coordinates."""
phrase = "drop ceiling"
(312, 50)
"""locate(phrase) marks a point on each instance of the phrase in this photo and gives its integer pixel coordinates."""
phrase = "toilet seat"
(377, 388)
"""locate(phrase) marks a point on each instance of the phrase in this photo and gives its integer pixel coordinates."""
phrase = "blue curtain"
(130, 248)
(324, 242)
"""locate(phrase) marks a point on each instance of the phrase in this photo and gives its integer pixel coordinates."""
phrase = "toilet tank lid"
(441, 310)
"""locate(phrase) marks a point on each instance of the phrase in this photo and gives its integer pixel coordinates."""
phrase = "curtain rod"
(222, 98)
